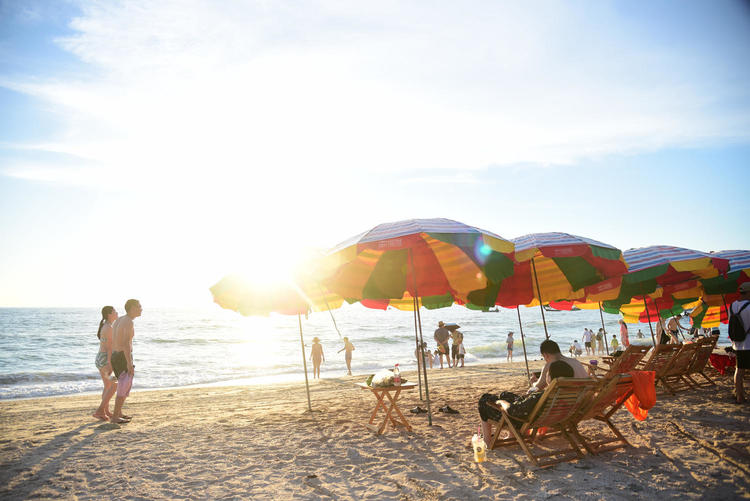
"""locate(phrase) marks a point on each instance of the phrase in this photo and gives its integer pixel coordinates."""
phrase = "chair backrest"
(628, 360)
(681, 362)
(660, 357)
(701, 357)
(609, 393)
(562, 399)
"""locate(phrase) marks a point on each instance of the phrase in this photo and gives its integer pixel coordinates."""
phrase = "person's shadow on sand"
(20, 473)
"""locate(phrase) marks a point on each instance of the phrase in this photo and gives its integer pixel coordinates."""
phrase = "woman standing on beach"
(624, 339)
(103, 361)
(317, 357)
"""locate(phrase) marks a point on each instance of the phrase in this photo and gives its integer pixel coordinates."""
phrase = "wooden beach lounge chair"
(561, 401)
(673, 376)
(626, 362)
(611, 395)
(698, 366)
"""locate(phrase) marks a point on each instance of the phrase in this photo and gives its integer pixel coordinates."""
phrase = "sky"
(149, 148)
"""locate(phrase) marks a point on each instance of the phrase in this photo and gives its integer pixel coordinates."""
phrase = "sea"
(50, 351)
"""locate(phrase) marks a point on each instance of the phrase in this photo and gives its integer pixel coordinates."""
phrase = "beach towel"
(644, 394)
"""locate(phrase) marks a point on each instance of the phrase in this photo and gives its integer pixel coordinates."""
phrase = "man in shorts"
(122, 356)
(742, 348)
(587, 336)
(441, 336)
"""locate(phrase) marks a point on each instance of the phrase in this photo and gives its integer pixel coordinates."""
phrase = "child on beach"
(615, 344)
(509, 341)
(429, 357)
(349, 347)
(461, 353)
(436, 359)
(317, 357)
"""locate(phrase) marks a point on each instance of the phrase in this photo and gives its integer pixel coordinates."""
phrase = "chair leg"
(576, 433)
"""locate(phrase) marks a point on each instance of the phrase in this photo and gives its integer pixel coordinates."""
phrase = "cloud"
(201, 89)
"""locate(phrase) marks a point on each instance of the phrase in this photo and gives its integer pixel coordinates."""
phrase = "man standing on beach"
(122, 356)
(587, 336)
(742, 348)
(441, 336)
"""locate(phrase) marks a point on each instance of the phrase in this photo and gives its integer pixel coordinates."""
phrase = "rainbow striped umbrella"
(431, 261)
(718, 292)
(419, 258)
(250, 298)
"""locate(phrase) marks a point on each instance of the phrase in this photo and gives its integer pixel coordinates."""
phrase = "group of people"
(453, 354)
(114, 360)
(318, 357)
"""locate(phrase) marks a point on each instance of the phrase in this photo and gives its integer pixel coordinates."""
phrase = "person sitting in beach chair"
(550, 351)
(518, 406)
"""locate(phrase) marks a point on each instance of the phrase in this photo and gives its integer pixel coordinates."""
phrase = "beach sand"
(259, 442)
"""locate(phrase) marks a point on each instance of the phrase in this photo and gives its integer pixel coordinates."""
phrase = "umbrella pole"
(648, 315)
(421, 339)
(419, 353)
(426, 387)
(304, 362)
(604, 331)
(523, 342)
(539, 296)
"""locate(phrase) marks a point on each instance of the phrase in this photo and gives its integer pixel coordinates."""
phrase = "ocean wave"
(489, 350)
(198, 341)
(45, 377)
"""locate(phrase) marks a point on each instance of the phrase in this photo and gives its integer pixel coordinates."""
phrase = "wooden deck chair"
(626, 362)
(610, 396)
(658, 361)
(698, 366)
(672, 376)
(560, 402)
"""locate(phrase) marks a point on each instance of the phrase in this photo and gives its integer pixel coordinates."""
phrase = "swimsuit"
(119, 363)
(101, 359)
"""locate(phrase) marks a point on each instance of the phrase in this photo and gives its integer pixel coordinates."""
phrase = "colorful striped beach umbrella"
(674, 270)
(250, 298)
(421, 257)
(427, 260)
(721, 291)
(552, 267)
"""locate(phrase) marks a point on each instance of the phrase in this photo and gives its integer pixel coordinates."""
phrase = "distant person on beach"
(457, 338)
(518, 407)
(461, 353)
(436, 360)
(102, 361)
(624, 339)
(317, 357)
(742, 348)
(122, 356)
(639, 334)
(421, 356)
(614, 343)
(428, 355)
(550, 351)
(600, 341)
(349, 348)
(441, 336)
(509, 342)
(577, 348)
(587, 337)
(673, 328)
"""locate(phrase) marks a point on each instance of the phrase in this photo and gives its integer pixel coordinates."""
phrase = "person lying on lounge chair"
(518, 407)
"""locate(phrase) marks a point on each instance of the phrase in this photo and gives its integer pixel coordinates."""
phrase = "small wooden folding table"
(391, 393)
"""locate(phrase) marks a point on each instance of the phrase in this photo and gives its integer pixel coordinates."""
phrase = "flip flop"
(126, 417)
(100, 418)
(448, 410)
(418, 410)
(120, 421)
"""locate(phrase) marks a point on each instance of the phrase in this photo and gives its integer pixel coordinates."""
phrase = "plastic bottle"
(396, 376)
(480, 448)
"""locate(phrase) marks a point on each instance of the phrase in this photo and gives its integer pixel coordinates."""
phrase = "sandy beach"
(260, 443)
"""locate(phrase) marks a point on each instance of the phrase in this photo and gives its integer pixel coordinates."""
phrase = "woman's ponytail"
(105, 313)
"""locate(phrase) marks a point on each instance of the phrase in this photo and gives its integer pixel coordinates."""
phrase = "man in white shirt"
(742, 348)
(551, 353)
(587, 336)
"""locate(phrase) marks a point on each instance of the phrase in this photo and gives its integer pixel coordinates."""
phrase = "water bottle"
(480, 448)
(396, 376)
